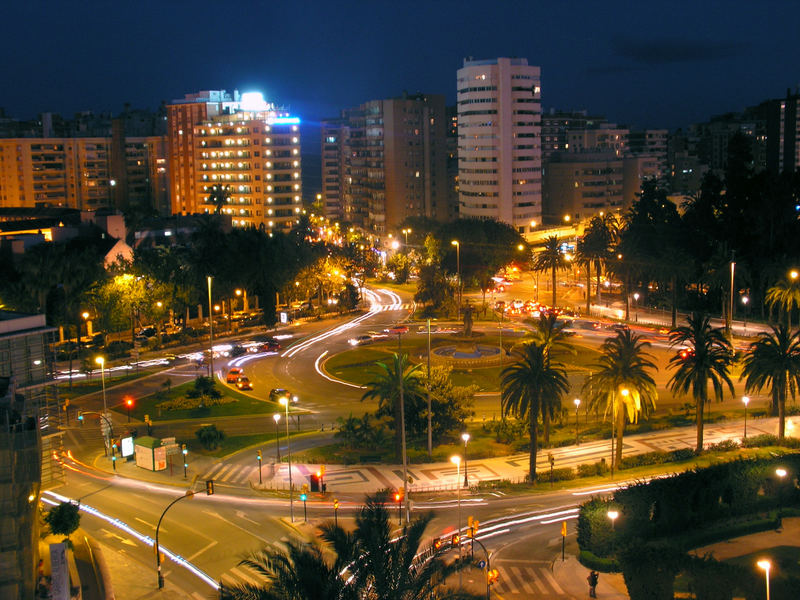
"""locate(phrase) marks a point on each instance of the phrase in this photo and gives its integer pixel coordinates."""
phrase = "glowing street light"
(405, 233)
(284, 400)
(457, 244)
(766, 566)
(277, 417)
(465, 436)
(577, 402)
(612, 514)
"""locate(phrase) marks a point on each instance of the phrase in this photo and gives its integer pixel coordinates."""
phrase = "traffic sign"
(481, 564)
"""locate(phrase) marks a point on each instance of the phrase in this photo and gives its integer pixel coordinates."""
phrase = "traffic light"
(80, 416)
(129, 402)
(474, 530)
(303, 496)
(184, 451)
(437, 544)
(258, 455)
(314, 481)
(456, 539)
(492, 576)
(209, 487)
(397, 497)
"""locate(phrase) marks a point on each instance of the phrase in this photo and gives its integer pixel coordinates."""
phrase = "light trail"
(319, 370)
(145, 539)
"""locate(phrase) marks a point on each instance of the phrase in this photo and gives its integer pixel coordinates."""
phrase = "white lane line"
(199, 552)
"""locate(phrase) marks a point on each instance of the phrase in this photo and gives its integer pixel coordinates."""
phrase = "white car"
(360, 340)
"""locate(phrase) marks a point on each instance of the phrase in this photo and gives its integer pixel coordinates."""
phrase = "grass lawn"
(255, 441)
(82, 386)
(244, 405)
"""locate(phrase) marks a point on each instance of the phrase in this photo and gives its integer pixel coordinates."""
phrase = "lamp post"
(456, 460)
(745, 300)
(781, 473)
(577, 402)
(766, 566)
(636, 306)
(102, 362)
(612, 514)
(457, 244)
(405, 233)
(277, 417)
(746, 401)
(188, 494)
(285, 402)
(210, 331)
(465, 436)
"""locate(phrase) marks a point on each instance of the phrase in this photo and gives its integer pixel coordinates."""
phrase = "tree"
(595, 247)
(372, 562)
(527, 386)
(63, 519)
(786, 295)
(219, 196)
(774, 360)
(623, 384)
(708, 359)
(385, 388)
(549, 334)
(210, 437)
(433, 288)
(550, 258)
(451, 405)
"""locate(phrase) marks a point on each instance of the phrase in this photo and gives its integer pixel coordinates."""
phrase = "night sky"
(646, 64)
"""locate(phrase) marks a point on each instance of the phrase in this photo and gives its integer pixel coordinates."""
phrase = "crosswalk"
(385, 307)
(525, 579)
(237, 474)
(241, 575)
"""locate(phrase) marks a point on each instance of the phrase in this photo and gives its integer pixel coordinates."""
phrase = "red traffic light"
(128, 401)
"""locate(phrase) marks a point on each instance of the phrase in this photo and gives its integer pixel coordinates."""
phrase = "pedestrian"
(592, 579)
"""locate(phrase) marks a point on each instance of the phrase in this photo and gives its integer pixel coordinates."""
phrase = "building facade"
(235, 154)
(83, 173)
(386, 160)
(499, 141)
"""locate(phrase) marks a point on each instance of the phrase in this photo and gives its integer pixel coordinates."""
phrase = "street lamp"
(746, 401)
(781, 473)
(277, 417)
(405, 233)
(577, 402)
(457, 244)
(456, 460)
(210, 330)
(465, 436)
(102, 362)
(745, 300)
(285, 402)
(766, 566)
(636, 306)
(612, 514)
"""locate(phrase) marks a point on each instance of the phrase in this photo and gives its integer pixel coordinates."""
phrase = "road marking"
(150, 525)
(199, 552)
(241, 515)
(246, 530)
(552, 581)
(122, 539)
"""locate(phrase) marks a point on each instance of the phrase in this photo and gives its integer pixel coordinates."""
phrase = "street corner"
(572, 576)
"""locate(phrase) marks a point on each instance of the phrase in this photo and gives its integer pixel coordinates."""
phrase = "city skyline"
(637, 67)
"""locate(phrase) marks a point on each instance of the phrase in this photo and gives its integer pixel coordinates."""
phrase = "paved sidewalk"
(356, 480)
(571, 577)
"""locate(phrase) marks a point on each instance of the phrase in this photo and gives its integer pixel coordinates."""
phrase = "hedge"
(598, 563)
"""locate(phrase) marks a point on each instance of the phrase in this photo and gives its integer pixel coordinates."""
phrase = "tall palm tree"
(595, 247)
(385, 388)
(709, 358)
(219, 195)
(528, 385)
(549, 334)
(372, 562)
(786, 295)
(622, 382)
(301, 572)
(550, 258)
(774, 360)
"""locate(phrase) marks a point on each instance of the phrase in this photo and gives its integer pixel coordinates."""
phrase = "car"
(360, 340)
(148, 332)
(397, 329)
(243, 383)
(234, 374)
(276, 394)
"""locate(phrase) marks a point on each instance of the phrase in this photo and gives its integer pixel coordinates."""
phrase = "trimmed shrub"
(766, 439)
(649, 569)
(210, 437)
(590, 470)
(724, 446)
(563, 474)
(592, 561)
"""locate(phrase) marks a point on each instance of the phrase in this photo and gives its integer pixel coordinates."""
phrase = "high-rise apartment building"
(83, 172)
(235, 154)
(499, 141)
(783, 133)
(386, 160)
(556, 124)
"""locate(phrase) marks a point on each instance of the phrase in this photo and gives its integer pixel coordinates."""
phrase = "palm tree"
(786, 294)
(385, 388)
(622, 383)
(594, 248)
(549, 334)
(371, 562)
(219, 196)
(774, 360)
(708, 358)
(298, 573)
(529, 385)
(550, 258)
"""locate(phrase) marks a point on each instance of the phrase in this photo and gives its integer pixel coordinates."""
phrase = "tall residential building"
(651, 142)
(783, 133)
(499, 141)
(241, 149)
(29, 445)
(83, 172)
(386, 160)
(556, 124)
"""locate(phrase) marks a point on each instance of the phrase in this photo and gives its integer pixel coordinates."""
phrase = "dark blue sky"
(653, 64)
